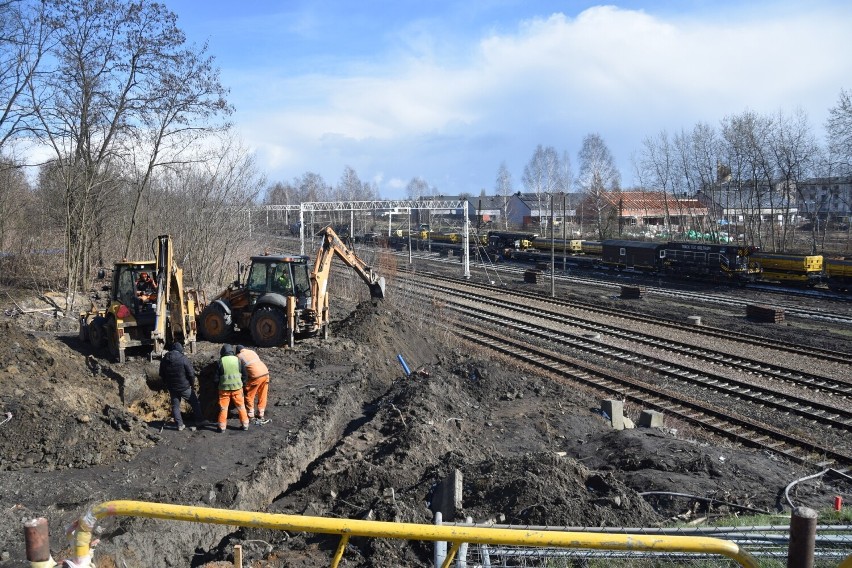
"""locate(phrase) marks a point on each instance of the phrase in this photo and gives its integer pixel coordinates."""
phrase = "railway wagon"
(788, 268)
(511, 239)
(710, 261)
(571, 246)
(503, 244)
(636, 255)
(592, 248)
(453, 238)
(838, 274)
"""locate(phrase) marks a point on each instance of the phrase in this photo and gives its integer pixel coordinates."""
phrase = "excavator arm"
(332, 245)
(174, 309)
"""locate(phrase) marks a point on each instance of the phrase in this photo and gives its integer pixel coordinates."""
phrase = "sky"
(447, 91)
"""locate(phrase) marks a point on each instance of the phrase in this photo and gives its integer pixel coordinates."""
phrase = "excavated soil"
(350, 436)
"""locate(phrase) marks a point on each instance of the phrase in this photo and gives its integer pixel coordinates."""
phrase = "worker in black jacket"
(177, 373)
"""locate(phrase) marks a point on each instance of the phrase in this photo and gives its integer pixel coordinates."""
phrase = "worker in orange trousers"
(231, 387)
(257, 382)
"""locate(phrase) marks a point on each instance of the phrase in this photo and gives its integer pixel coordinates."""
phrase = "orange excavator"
(283, 296)
(144, 312)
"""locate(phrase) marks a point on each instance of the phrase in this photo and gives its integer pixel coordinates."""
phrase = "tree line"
(126, 126)
(750, 162)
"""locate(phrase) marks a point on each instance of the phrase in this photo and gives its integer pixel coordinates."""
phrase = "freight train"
(724, 262)
(706, 261)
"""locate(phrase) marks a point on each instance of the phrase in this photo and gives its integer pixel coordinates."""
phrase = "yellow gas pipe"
(408, 531)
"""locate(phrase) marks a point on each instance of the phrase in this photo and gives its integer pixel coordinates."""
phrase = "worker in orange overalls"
(257, 382)
(231, 379)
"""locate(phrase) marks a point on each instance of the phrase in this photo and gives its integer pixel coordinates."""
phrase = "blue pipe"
(404, 366)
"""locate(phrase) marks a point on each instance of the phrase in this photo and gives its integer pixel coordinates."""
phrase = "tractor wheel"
(97, 332)
(267, 327)
(215, 325)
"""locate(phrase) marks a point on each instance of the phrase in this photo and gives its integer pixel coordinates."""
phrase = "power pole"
(552, 251)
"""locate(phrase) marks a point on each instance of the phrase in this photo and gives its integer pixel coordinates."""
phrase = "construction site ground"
(350, 436)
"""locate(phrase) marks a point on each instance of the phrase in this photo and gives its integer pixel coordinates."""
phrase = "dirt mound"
(656, 461)
(549, 489)
(64, 411)
(451, 415)
(390, 333)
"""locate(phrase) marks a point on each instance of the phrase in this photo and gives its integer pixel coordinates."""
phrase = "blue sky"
(448, 90)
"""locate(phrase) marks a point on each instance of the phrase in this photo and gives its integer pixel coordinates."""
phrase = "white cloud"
(624, 73)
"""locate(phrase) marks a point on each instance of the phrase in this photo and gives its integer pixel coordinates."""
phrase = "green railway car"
(788, 268)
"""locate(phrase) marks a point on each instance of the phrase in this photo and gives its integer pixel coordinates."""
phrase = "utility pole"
(552, 252)
(564, 233)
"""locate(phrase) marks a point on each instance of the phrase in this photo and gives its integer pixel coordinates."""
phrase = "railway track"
(706, 331)
(713, 418)
(728, 300)
(836, 388)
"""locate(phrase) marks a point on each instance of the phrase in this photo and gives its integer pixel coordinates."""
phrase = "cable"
(707, 499)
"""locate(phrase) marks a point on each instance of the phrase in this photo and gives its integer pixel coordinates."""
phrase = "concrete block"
(694, 320)
(615, 410)
(447, 498)
(651, 419)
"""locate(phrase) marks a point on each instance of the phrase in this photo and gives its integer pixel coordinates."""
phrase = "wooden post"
(238, 556)
(802, 538)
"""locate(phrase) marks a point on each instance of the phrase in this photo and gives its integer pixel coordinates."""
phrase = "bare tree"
(312, 187)
(745, 146)
(182, 103)
(24, 38)
(350, 187)
(417, 188)
(281, 193)
(219, 194)
(14, 200)
(656, 169)
(504, 190)
(542, 177)
(698, 161)
(598, 176)
(839, 129)
(566, 173)
(123, 96)
(796, 151)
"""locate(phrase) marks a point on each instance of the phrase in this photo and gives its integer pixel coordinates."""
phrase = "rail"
(347, 528)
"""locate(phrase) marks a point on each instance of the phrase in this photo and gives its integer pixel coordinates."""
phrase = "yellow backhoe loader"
(283, 296)
(142, 311)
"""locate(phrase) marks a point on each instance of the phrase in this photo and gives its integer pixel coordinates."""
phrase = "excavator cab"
(282, 275)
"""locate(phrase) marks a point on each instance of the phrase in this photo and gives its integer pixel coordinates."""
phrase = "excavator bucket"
(377, 290)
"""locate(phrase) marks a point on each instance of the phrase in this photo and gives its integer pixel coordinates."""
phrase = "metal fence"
(768, 544)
